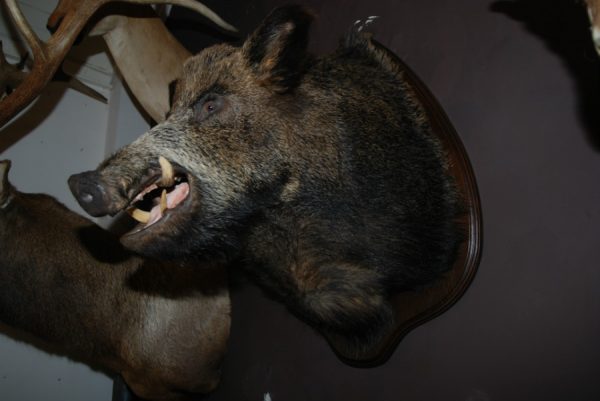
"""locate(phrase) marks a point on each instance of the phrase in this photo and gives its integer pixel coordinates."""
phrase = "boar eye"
(207, 106)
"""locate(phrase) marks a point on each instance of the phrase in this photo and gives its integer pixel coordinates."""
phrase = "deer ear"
(4, 184)
(276, 51)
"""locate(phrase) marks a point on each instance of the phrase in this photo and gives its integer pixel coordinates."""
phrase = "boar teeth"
(168, 175)
(140, 215)
(163, 201)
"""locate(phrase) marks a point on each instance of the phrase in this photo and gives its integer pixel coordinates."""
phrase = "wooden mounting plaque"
(414, 308)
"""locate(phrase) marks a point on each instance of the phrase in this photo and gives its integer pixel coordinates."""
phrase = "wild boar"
(163, 327)
(320, 174)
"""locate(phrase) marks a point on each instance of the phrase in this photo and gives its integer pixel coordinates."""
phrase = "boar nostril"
(87, 198)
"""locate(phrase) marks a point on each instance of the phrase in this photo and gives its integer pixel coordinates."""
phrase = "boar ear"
(4, 184)
(276, 51)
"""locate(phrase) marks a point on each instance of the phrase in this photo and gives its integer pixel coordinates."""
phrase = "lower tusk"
(140, 215)
(163, 201)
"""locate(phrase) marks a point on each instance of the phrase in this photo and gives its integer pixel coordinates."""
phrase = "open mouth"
(160, 195)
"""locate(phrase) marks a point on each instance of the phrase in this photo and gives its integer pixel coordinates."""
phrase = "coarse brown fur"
(163, 327)
(320, 174)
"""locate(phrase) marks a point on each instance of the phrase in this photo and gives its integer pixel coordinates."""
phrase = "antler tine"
(593, 8)
(192, 5)
(34, 43)
(64, 6)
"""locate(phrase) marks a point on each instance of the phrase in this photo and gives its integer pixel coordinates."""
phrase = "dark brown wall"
(519, 80)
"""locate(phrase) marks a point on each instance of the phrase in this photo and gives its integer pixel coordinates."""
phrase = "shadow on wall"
(564, 27)
(26, 338)
(29, 120)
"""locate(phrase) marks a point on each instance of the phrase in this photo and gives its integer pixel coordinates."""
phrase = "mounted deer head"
(69, 18)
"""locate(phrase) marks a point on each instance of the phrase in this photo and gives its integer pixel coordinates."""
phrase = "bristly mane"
(361, 44)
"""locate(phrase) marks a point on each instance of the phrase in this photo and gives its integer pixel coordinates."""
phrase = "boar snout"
(90, 193)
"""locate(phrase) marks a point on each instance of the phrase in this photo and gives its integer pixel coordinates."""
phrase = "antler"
(593, 7)
(69, 18)
(148, 57)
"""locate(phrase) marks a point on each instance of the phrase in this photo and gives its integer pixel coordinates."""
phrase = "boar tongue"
(177, 196)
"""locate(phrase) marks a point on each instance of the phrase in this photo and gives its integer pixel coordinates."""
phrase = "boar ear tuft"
(276, 51)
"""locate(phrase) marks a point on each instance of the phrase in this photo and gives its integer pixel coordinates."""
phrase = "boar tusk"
(139, 215)
(6, 202)
(163, 201)
(168, 174)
